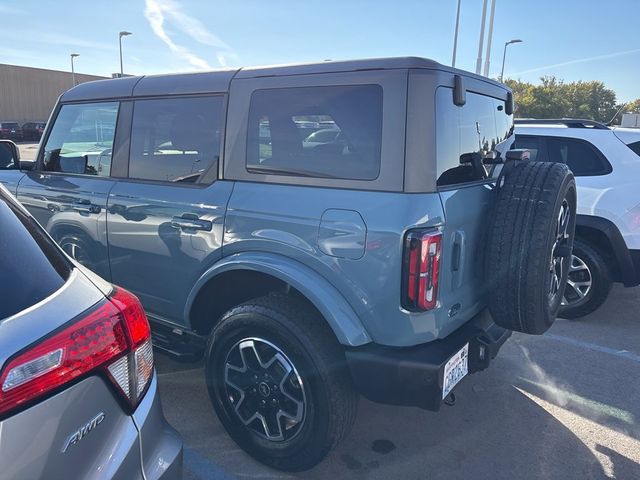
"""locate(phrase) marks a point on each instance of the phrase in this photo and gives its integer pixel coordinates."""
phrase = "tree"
(590, 100)
(632, 107)
(554, 98)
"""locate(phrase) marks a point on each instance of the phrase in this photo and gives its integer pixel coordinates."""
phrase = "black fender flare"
(629, 273)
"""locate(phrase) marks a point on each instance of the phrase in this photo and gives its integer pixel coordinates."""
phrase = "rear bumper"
(161, 444)
(413, 376)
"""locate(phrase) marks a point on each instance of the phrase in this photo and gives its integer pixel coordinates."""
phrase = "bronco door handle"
(85, 206)
(189, 221)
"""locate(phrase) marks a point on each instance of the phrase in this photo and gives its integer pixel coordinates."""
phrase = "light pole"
(120, 35)
(481, 41)
(487, 59)
(504, 55)
(455, 36)
(73, 71)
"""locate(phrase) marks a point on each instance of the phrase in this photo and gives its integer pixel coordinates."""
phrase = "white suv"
(606, 163)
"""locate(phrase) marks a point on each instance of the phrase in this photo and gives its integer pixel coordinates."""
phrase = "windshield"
(31, 267)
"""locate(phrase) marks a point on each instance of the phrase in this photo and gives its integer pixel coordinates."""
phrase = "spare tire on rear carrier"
(529, 246)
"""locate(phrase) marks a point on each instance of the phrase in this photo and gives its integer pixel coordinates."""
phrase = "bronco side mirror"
(509, 107)
(518, 154)
(27, 165)
(9, 155)
(459, 91)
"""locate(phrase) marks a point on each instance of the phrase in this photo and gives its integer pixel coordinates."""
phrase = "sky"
(571, 39)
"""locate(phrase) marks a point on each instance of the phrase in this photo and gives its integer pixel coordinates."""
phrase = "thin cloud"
(39, 38)
(64, 39)
(8, 9)
(574, 62)
(20, 54)
(159, 12)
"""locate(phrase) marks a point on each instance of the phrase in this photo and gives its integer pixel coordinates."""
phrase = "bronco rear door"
(469, 140)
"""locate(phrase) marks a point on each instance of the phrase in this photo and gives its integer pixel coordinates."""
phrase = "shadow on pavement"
(545, 410)
(494, 431)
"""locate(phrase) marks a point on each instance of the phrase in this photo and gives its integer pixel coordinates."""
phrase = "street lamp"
(487, 59)
(120, 35)
(73, 71)
(481, 41)
(455, 36)
(504, 55)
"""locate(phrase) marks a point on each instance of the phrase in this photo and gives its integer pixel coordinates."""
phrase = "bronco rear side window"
(324, 132)
(175, 139)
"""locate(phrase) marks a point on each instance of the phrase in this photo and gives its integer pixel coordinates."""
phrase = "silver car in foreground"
(78, 392)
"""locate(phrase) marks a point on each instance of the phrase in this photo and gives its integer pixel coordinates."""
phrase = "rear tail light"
(421, 268)
(113, 339)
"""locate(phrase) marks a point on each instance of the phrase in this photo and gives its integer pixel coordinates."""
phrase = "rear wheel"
(80, 248)
(588, 283)
(278, 381)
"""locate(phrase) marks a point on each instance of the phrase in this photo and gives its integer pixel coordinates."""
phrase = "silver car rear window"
(31, 266)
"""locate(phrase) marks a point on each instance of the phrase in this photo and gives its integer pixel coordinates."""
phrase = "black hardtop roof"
(218, 81)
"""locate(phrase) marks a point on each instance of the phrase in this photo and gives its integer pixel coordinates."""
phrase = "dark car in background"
(78, 390)
(10, 130)
(33, 130)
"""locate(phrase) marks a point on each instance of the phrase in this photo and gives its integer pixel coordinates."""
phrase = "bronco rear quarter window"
(323, 132)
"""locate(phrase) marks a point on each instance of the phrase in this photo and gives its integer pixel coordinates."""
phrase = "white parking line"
(594, 347)
(593, 407)
(166, 374)
(202, 467)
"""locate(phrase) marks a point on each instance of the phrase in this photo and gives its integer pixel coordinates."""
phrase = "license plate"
(455, 370)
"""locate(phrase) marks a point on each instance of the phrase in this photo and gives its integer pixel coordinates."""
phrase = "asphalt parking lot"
(564, 405)
(28, 150)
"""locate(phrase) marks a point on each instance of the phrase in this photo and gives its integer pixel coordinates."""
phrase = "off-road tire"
(601, 282)
(304, 338)
(522, 241)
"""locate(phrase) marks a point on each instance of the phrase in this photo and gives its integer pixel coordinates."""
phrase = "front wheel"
(277, 379)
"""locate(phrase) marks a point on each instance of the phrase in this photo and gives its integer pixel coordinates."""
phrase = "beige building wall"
(29, 94)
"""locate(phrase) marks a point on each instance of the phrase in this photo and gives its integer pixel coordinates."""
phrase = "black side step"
(182, 345)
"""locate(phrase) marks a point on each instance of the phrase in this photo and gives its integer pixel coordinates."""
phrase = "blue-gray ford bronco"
(313, 232)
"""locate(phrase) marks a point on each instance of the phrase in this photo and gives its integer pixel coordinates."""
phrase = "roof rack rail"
(569, 122)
